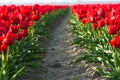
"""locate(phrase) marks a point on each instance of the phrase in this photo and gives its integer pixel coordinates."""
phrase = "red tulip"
(107, 20)
(17, 18)
(31, 23)
(24, 25)
(3, 48)
(6, 24)
(26, 10)
(35, 17)
(11, 8)
(84, 21)
(4, 17)
(14, 29)
(18, 36)
(28, 18)
(1, 40)
(80, 17)
(35, 7)
(101, 23)
(2, 30)
(24, 32)
(115, 42)
(100, 12)
(94, 26)
(113, 29)
(91, 19)
(9, 38)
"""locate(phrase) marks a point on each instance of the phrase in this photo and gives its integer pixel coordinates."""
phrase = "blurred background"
(57, 1)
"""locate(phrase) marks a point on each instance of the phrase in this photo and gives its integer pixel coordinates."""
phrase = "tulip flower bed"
(21, 27)
(96, 28)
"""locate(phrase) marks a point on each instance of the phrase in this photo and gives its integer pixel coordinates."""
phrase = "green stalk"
(4, 69)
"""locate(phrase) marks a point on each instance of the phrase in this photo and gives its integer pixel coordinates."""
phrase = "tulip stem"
(4, 68)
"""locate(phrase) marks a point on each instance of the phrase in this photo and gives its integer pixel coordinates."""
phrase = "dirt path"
(59, 57)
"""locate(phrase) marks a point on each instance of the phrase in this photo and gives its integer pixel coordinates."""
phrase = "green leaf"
(116, 60)
(17, 73)
(100, 70)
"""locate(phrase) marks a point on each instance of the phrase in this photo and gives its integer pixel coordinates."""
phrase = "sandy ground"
(57, 63)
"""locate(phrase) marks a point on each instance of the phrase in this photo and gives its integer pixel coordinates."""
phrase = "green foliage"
(20, 55)
(97, 48)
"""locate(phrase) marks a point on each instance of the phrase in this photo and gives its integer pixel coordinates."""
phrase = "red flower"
(31, 23)
(1, 39)
(94, 26)
(112, 20)
(6, 24)
(28, 18)
(11, 8)
(35, 17)
(26, 10)
(100, 12)
(115, 42)
(9, 38)
(4, 17)
(3, 48)
(84, 21)
(112, 29)
(101, 23)
(14, 29)
(17, 18)
(107, 20)
(24, 32)
(2, 30)
(91, 19)
(80, 16)
(35, 7)
(24, 25)
(18, 36)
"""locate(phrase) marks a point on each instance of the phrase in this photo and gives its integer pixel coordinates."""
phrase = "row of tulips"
(15, 20)
(21, 27)
(100, 16)
(94, 26)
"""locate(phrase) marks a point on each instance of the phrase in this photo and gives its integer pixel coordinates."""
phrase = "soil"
(57, 63)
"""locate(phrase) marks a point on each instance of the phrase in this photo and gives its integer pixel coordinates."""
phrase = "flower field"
(21, 27)
(96, 28)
